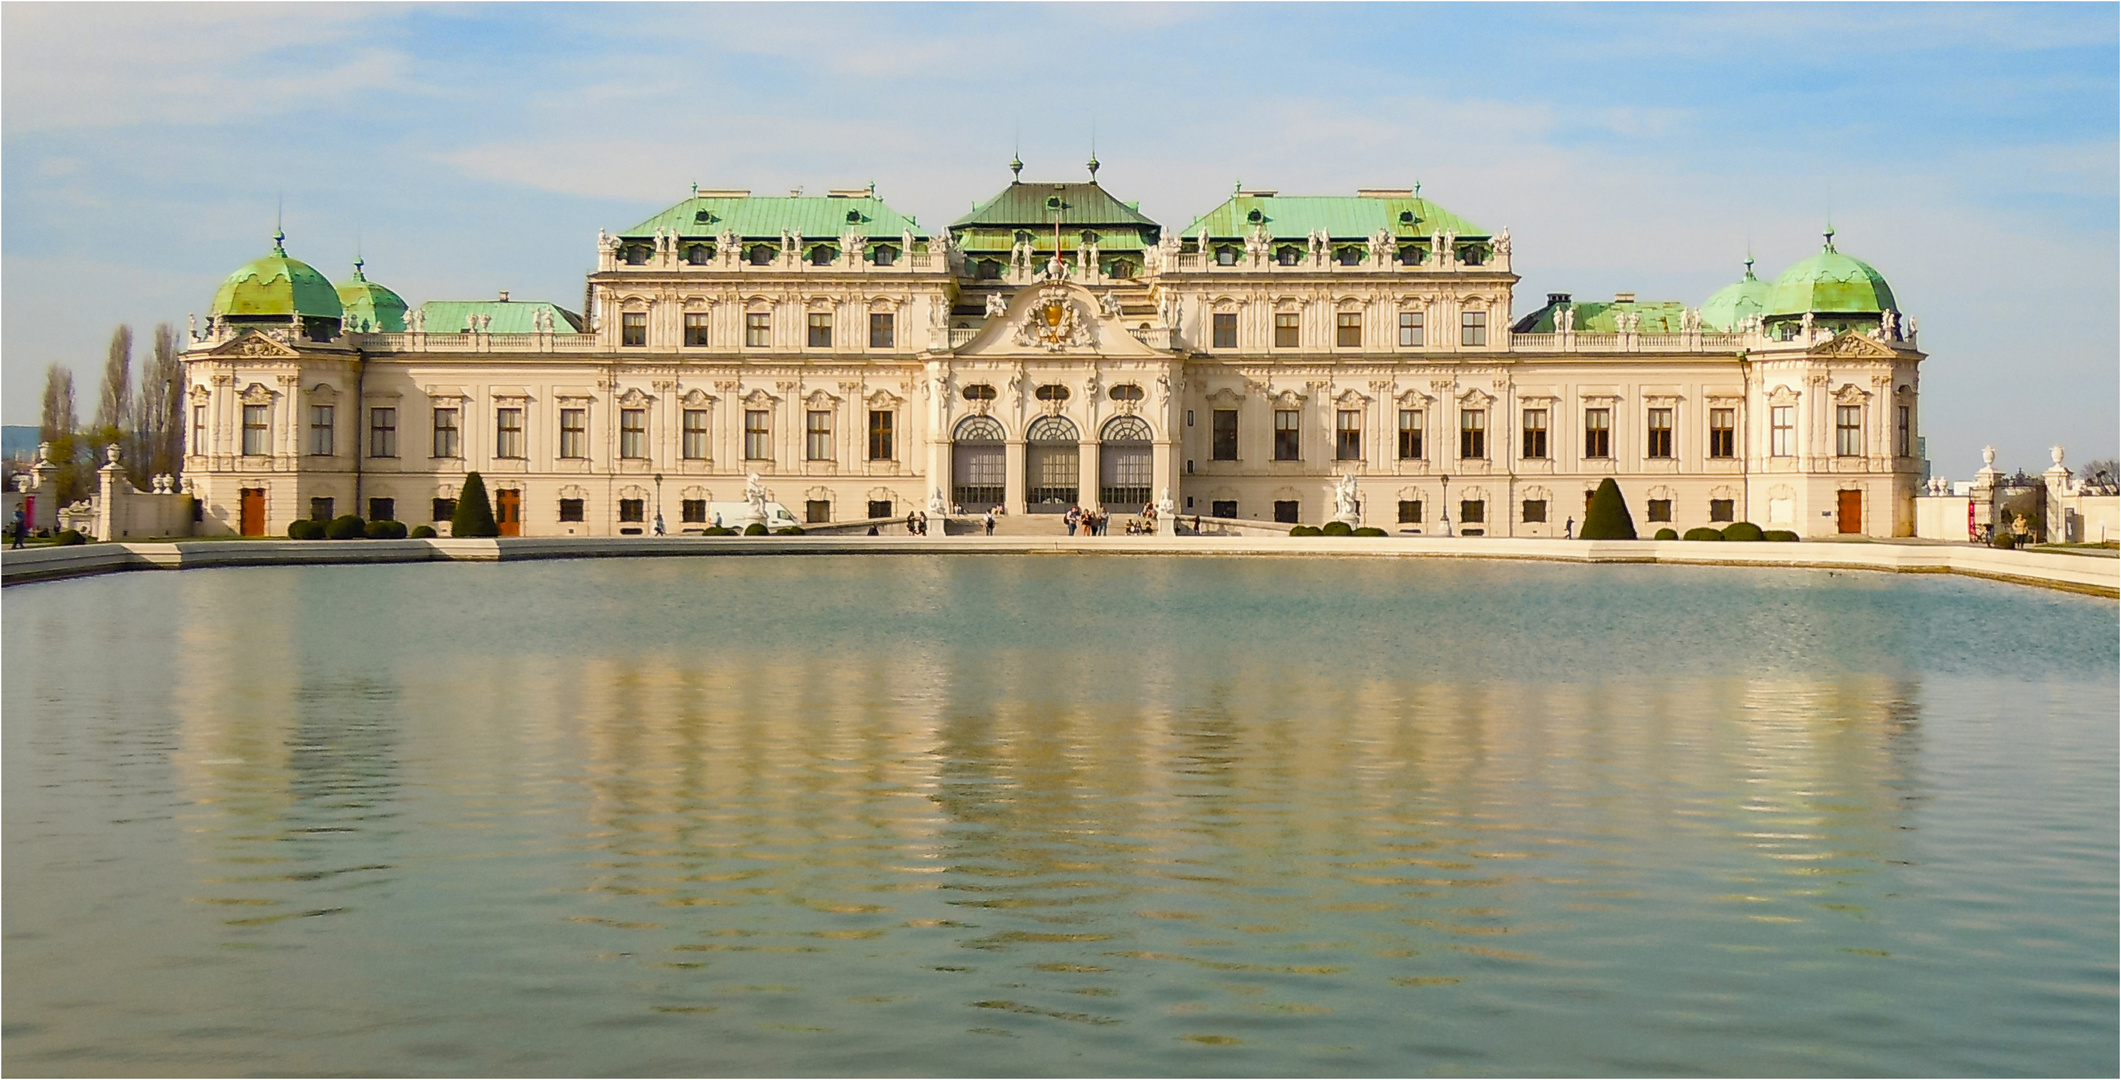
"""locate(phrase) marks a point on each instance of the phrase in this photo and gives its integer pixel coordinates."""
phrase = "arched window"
(1126, 429)
(979, 392)
(1052, 429)
(1126, 391)
(1120, 268)
(978, 429)
(1126, 464)
(762, 254)
(988, 270)
(1051, 392)
(1226, 256)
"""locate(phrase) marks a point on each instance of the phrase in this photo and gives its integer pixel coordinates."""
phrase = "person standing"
(21, 527)
(1568, 529)
(659, 523)
(988, 518)
(1073, 518)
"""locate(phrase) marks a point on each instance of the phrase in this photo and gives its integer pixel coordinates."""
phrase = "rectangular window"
(1410, 448)
(633, 328)
(1782, 430)
(508, 433)
(446, 443)
(1907, 431)
(382, 509)
(1660, 509)
(198, 429)
(382, 432)
(633, 433)
(1848, 430)
(758, 445)
(692, 511)
(570, 509)
(1285, 511)
(574, 433)
(698, 328)
(1410, 511)
(881, 446)
(1225, 435)
(1288, 435)
(1535, 434)
(633, 510)
(1222, 508)
(1722, 510)
(1347, 435)
(1347, 329)
(817, 435)
(820, 330)
(1226, 330)
(443, 510)
(320, 417)
(880, 508)
(1472, 434)
(320, 508)
(1472, 511)
(1723, 433)
(1598, 433)
(693, 445)
(1472, 328)
(1660, 433)
(1410, 328)
(1288, 330)
(256, 440)
(1535, 511)
(817, 511)
(883, 330)
(758, 329)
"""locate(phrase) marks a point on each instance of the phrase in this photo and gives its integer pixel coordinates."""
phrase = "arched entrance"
(1125, 465)
(978, 464)
(1052, 465)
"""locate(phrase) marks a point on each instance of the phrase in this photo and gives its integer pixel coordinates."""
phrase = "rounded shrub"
(1304, 530)
(755, 529)
(1666, 533)
(2004, 540)
(386, 530)
(1703, 533)
(69, 537)
(346, 527)
(305, 529)
(789, 530)
(474, 516)
(1607, 518)
(423, 532)
(1336, 528)
(717, 530)
(1743, 530)
(1370, 530)
(1779, 536)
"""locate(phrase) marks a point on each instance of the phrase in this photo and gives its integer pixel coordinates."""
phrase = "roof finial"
(1417, 189)
(695, 189)
(1093, 150)
(1237, 187)
(1829, 236)
(279, 237)
(357, 263)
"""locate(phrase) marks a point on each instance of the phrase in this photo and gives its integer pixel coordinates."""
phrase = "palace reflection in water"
(1060, 816)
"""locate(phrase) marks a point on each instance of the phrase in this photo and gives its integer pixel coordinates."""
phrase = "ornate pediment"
(1476, 398)
(1851, 394)
(257, 394)
(254, 344)
(1055, 317)
(1783, 395)
(634, 398)
(1851, 343)
(697, 397)
(758, 398)
(1413, 399)
(1351, 399)
(820, 399)
(1225, 396)
(1053, 321)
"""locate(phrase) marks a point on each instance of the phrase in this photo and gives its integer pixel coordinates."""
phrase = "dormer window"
(1053, 202)
(1089, 237)
(698, 254)
(1120, 268)
(1470, 255)
(821, 255)
(988, 270)
(1254, 216)
(762, 254)
(1351, 256)
(1412, 255)
(854, 217)
(637, 255)
(704, 217)
(1288, 256)
(1226, 256)
(885, 256)
(1406, 217)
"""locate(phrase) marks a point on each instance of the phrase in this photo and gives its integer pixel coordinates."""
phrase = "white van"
(730, 515)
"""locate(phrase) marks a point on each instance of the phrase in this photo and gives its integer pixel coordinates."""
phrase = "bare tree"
(2102, 475)
(158, 414)
(60, 427)
(114, 406)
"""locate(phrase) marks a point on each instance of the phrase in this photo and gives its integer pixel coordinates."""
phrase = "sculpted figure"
(996, 306)
(1502, 241)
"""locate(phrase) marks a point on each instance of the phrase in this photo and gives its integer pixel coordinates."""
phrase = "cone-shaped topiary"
(1743, 530)
(1666, 533)
(1608, 517)
(474, 516)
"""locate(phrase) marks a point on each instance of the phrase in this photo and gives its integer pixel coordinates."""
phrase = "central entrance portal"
(979, 470)
(1125, 465)
(1052, 465)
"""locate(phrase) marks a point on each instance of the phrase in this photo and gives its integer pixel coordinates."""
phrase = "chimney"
(1554, 298)
(504, 296)
(1623, 298)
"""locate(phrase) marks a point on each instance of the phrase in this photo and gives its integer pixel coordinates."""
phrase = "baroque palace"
(1056, 347)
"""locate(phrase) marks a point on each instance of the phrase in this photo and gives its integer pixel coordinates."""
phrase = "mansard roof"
(1039, 204)
(710, 213)
(509, 316)
(1600, 316)
(1399, 212)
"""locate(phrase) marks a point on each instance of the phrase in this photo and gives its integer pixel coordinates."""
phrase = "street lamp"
(1446, 504)
(659, 504)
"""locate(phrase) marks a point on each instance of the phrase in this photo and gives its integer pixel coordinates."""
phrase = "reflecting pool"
(1058, 815)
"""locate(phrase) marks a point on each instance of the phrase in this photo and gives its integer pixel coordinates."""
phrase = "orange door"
(508, 512)
(253, 511)
(1851, 511)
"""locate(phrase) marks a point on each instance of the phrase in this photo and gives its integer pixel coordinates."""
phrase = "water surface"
(1058, 815)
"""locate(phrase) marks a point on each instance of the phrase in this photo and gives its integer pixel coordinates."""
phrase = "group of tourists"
(1096, 522)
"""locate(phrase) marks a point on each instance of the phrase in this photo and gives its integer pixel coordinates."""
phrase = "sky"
(1967, 151)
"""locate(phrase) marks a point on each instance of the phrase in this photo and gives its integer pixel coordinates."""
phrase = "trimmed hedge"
(755, 529)
(717, 530)
(1304, 530)
(1703, 533)
(1370, 530)
(1608, 517)
(789, 530)
(423, 532)
(1743, 530)
(69, 537)
(346, 527)
(386, 530)
(1666, 533)
(1336, 528)
(1779, 536)
(305, 529)
(474, 516)
(2004, 540)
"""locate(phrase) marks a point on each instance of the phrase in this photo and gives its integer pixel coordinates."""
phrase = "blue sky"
(1968, 151)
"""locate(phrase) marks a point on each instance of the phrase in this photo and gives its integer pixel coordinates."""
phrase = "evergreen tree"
(1608, 517)
(474, 516)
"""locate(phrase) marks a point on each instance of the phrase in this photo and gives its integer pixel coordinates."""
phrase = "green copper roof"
(509, 316)
(276, 285)
(1728, 306)
(765, 216)
(370, 307)
(1830, 283)
(1341, 216)
(1597, 317)
(1036, 205)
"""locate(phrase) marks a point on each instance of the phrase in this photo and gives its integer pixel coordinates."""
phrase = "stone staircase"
(1024, 525)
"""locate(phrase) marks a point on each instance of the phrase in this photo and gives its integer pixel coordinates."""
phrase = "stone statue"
(755, 495)
(936, 505)
(1165, 505)
(996, 306)
(1889, 325)
(110, 454)
(1202, 240)
(192, 320)
(1805, 327)
(905, 243)
(1381, 247)
(1109, 304)
(1502, 241)
(1345, 505)
(417, 321)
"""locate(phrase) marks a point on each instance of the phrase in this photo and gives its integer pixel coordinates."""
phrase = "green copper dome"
(370, 308)
(1728, 306)
(276, 286)
(1831, 283)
